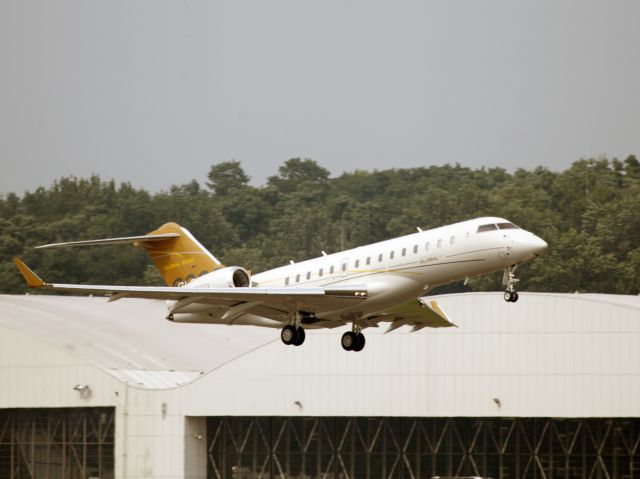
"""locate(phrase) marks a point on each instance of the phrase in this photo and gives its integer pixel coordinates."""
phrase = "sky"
(155, 92)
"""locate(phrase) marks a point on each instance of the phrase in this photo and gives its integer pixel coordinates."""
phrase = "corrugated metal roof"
(130, 339)
(155, 379)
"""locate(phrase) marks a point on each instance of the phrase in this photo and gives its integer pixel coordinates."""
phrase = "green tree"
(589, 214)
(227, 177)
(296, 173)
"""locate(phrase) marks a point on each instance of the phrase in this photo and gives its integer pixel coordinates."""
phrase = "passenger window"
(368, 259)
(508, 226)
(357, 263)
(415, 249)
(297, 278)
(391, 254)
(286, 281)
(380, 258)
(404, 251)
(344, 266)
(452, 240)
(483, 228)
(331, 270)
(308, 275)
(320, 272)
(440, 243)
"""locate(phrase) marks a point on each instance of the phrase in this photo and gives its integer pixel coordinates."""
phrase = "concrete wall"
(158, 440)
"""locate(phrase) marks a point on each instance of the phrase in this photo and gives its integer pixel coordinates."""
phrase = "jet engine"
(229, 277)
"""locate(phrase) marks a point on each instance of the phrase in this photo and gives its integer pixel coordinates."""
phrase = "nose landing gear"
(511, 296)
(509, 280)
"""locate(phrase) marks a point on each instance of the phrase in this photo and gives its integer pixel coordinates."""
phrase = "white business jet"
(364, 286)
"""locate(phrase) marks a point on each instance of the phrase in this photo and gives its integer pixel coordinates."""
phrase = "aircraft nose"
(536, 245)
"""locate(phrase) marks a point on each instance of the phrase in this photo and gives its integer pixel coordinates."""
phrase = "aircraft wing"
(419, 313)
(282, 299)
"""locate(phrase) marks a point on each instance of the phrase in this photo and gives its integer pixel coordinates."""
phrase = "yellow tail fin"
(178, 256)
(181, 258)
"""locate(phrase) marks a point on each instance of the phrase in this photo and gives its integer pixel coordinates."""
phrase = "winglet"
(435, 307)
(32, 279)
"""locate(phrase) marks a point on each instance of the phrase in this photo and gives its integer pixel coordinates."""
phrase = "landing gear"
(511, 296)
(352, 341)
(292, 335)
(359, 343)
(509, 280)
(300, 335)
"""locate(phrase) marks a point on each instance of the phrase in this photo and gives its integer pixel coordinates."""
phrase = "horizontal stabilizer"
(112, 241)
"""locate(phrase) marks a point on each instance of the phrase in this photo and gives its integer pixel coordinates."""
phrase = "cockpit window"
(508, 226)
(483, 228)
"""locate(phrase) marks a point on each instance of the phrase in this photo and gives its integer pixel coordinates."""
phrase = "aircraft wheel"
(348, 341)
(300, 335)
(511, 296)
(359, 345)
(288, 335)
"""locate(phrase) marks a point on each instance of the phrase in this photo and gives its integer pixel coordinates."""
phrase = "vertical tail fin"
(181, 258)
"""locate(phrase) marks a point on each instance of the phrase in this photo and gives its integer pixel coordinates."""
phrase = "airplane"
(383, 282)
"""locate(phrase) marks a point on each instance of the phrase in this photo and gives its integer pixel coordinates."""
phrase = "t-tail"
(178, 256)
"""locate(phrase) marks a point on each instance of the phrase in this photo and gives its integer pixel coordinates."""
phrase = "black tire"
(300, 335)
(360, 341)
(508, 296)
(514, 297)
(288, 334)
(348, 341)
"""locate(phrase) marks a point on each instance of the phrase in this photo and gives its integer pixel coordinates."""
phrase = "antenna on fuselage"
(419, 229)
(323, 253)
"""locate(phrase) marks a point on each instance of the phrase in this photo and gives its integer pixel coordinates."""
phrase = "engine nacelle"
(229, 277)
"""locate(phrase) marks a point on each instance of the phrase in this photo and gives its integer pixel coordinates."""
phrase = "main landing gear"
(509, 280)
(353, 340)
(292, 335)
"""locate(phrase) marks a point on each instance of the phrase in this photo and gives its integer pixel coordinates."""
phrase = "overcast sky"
(155, 92)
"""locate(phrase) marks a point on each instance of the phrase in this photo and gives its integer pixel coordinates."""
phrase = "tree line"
(589, 214)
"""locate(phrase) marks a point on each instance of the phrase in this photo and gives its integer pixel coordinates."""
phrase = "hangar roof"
(130, 339)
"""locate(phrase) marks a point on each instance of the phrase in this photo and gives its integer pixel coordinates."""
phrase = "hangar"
(548, 387)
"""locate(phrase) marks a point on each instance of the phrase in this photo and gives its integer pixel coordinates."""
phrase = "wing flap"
(420, 313)
(222, 294)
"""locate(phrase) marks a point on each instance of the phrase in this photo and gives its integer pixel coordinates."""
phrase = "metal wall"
(312, 447)
(68, 443)
(544, 356)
